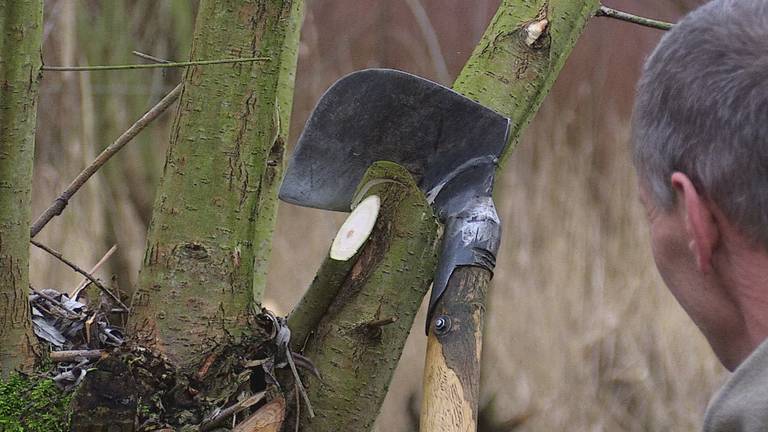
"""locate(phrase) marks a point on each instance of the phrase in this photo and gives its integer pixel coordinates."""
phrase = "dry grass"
(581, 330)
(581, 333)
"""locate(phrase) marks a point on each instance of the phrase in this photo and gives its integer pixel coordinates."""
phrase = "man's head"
(700, 146)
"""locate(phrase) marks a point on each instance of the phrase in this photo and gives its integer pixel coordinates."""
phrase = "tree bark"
(106, 400)
(314, 304)
(511, 71)
(215, 208)
(289, 55)
(358, 342)
(520, 55)
(21, 23)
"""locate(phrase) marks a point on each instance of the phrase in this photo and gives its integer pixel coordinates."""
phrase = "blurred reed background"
(581, 333)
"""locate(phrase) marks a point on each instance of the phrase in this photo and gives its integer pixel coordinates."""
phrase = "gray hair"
(702, 109)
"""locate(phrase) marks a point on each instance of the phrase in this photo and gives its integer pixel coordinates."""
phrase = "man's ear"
(700, 221)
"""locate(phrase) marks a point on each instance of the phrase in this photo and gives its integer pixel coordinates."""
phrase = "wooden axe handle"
(452, 369)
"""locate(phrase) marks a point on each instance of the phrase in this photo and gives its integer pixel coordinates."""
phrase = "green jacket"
(741, 405)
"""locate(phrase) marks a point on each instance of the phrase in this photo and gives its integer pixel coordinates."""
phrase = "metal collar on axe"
(449, 143)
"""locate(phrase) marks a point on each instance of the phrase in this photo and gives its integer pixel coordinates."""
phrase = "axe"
(450, 144)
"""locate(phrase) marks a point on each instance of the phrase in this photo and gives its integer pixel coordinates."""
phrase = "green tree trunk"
(215, 207)
(284, 106)
(21, 24)
(511, 71)
(359, 339)
(520, 56)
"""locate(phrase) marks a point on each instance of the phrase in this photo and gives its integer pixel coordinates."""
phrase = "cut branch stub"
(348, 241)
(384, 282)
(350, 238)
(309, 311)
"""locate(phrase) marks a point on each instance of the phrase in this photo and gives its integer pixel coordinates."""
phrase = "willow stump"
(368, 301)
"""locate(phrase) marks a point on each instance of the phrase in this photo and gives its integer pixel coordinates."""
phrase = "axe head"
(383, 114)
(449, 143)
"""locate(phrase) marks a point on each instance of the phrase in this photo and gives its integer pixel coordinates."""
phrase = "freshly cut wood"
(361, 331)
(356, 229)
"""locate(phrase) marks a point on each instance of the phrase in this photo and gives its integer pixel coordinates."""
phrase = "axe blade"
(384, 114)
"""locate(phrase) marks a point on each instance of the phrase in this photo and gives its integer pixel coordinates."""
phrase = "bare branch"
(150, 57)
(74, 267)
(151, 65)
(430, 37)
(58, 205)
(381, 322)
(67, 313)
(76, 292)
(68, 356)
(298, 383)
(222, 415)
(623, 16)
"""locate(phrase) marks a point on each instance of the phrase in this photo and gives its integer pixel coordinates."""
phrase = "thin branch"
(69, 356)
(74, 267)
(67, 313)
(298, 412)
(219, 418)
(150, 57)
(430, 37)
(623, 16)
(299, 385)
(381, 322)
(152, 65)
(76, 292)
(58, 205)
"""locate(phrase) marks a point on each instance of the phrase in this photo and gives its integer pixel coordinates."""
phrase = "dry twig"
(381, 322)
(299, 384)
(150, 57)
(61, 202)
(430, 37)
(76, 292)
(152, 65)
(66, 312)
(605, 11)
(69, 356)
(222, 415)
(74, 267)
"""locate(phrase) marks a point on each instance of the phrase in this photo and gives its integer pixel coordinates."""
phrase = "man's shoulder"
(741, 405)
